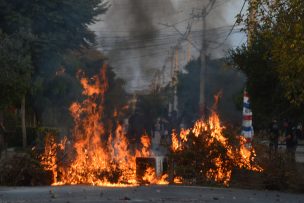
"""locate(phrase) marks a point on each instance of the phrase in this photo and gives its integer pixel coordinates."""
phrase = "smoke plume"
(133, 35)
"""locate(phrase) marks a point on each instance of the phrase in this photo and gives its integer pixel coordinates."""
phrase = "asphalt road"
(85, 194)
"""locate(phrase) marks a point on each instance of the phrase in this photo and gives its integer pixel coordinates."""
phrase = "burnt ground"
(85, 194)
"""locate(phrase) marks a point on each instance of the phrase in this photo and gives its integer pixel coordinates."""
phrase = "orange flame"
(150, 177)
(178, 180)
(98, 159)
(175, 142)
(146, 142)
(241, 157)
(49, 158)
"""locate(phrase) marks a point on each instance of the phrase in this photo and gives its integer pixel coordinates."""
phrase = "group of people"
(288, 133)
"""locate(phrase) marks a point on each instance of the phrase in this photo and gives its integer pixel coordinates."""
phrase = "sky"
(140, 37)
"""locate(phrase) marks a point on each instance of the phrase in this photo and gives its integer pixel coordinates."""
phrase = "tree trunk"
(24, 140)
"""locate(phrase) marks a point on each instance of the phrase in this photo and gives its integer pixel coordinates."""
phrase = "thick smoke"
(141, 14)
(135, 47)
(137, 43)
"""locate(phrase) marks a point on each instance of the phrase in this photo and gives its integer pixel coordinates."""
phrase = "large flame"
(211, 133)
(98, 159)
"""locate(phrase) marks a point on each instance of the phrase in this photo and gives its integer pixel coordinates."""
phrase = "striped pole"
(247, 131)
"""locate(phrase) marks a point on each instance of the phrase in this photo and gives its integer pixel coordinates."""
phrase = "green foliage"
(274, 62)
(57, 26)
(287, 50)
(262, 81)
(49, 29)
(16, 68)
(61, 26)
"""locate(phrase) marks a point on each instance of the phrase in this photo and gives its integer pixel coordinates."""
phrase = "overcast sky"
(134, 35)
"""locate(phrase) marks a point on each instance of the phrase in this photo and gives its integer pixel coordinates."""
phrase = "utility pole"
(203, 55)
(170, 107)
(203, 72)
(176, 71)
(252, 20)
(173, 105)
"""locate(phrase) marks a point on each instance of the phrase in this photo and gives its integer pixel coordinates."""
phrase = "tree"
(274, 62)
(58, 26)
(16, 70)
(288, 40)
(262, 81)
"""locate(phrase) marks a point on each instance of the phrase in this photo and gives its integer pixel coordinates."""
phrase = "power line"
(240, 13)
(160, 36)
(130, 43)
(232, 28)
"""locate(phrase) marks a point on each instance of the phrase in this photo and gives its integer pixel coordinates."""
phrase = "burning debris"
(97, 158)
(210, 155)
(108, 160)
(49, 159)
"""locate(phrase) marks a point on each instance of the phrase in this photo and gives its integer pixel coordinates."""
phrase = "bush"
(22, 170)
(280, 172)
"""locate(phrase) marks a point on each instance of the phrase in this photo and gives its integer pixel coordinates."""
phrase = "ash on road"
(84, 194)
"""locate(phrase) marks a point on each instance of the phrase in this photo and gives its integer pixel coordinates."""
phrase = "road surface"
(86, 194)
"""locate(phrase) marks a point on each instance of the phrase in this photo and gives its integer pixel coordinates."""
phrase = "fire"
(210, 135)
(175, 142)
(184, 134)
(178, 180)
(146, 142)
(49, 158)
(150, 177)
(96, 158)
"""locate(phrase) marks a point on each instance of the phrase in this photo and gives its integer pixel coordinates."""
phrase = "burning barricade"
(91, 156)
(96, 158)
(204, 154)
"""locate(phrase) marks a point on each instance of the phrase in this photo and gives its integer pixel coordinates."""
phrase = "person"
(291, 141)
(274, 136)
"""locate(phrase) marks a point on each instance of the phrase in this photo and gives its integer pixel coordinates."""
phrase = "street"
(83, 194)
